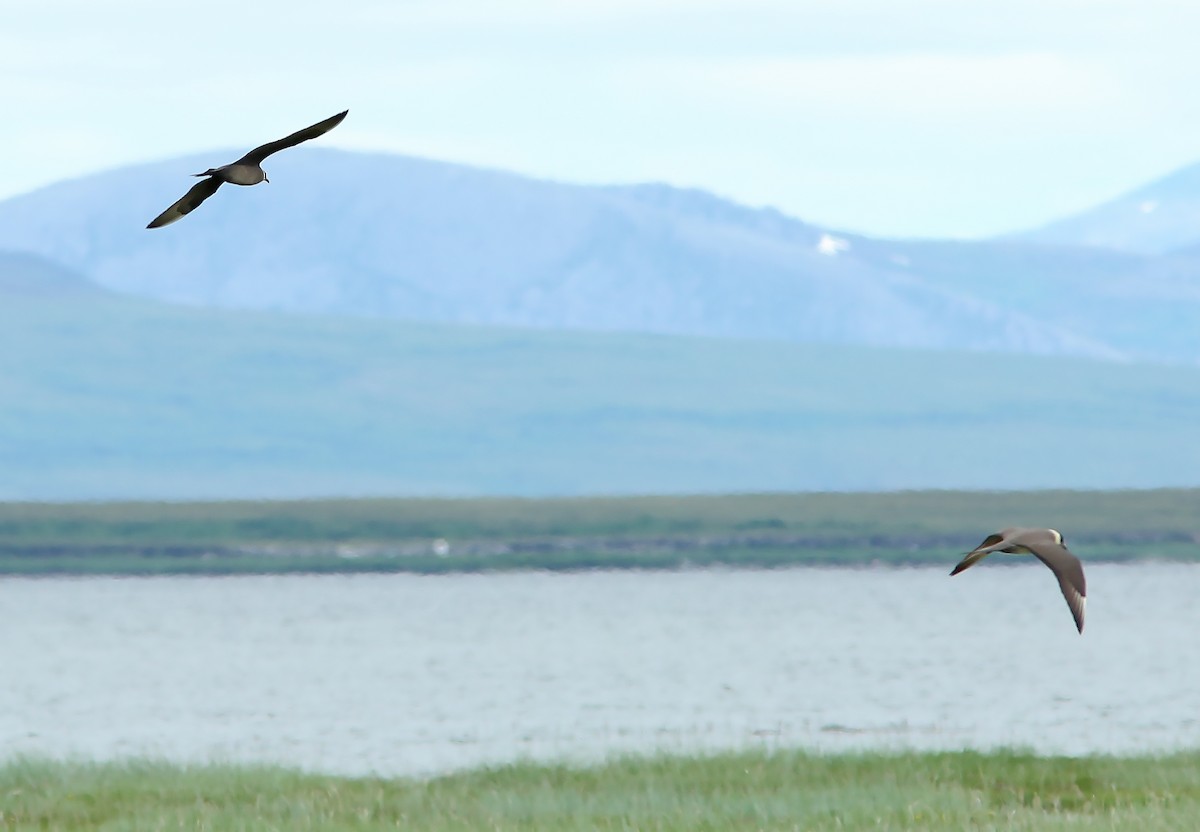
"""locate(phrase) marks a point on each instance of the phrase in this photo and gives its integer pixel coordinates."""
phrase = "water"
(402, 674)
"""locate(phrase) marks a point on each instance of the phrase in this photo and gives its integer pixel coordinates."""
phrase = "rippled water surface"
(400, 674)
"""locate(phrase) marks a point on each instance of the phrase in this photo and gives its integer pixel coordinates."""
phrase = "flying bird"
(245, 171)
(1046, 545)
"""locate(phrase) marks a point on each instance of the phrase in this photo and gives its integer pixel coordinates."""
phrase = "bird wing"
(1069, 571)
(199, 192)
(974, 556)
(990, 540)
(970, 560)
(255, 156)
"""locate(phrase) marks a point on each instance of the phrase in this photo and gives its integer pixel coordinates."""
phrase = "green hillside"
(838, 519)
(109, 398)
(447, 535)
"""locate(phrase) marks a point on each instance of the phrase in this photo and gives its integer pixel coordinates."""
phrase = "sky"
(929, 118)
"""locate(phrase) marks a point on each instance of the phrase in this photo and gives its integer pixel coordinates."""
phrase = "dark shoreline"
(430, 536)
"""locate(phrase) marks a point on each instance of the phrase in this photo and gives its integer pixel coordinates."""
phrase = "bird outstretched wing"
(974, 556)
(1069, 571)
(255, 156)
(199, 192)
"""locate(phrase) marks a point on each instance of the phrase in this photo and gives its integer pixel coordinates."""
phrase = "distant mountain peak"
(383, 235)
(1157, 218)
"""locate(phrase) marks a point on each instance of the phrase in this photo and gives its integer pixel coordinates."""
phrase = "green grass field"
(749, 790)
(760, 530)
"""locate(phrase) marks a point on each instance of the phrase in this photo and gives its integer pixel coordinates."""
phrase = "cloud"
(909, 85)
(836, 111)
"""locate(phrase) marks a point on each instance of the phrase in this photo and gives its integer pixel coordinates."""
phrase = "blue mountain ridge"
(380, 235)
(376, 325)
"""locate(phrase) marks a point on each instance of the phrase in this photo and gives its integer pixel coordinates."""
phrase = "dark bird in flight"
(245, 171)
(1047, 546)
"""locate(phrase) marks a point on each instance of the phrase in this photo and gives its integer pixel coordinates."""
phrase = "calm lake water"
(400, 674)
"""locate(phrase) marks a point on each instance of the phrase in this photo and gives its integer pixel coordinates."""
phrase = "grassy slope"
(830, 515)
(498, 533)
(105, 397)
(760, 791)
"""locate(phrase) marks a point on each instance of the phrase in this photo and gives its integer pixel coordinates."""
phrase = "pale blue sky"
(923, 118)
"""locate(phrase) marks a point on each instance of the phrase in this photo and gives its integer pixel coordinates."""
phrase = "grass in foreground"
(751, 790)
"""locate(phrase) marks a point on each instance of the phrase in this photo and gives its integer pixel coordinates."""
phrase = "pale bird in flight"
(1046, 545)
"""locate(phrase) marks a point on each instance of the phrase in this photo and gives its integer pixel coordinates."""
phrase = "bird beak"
(265, 179)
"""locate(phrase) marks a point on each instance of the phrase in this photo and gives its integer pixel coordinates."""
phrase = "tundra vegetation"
(653, 532)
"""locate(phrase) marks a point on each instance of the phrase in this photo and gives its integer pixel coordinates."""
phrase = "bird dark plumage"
(256, 156)
(245, 171)
(199, 192)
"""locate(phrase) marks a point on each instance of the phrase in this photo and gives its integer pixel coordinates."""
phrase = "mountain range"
(1162, 217)
(380, 235)
(375, 324)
